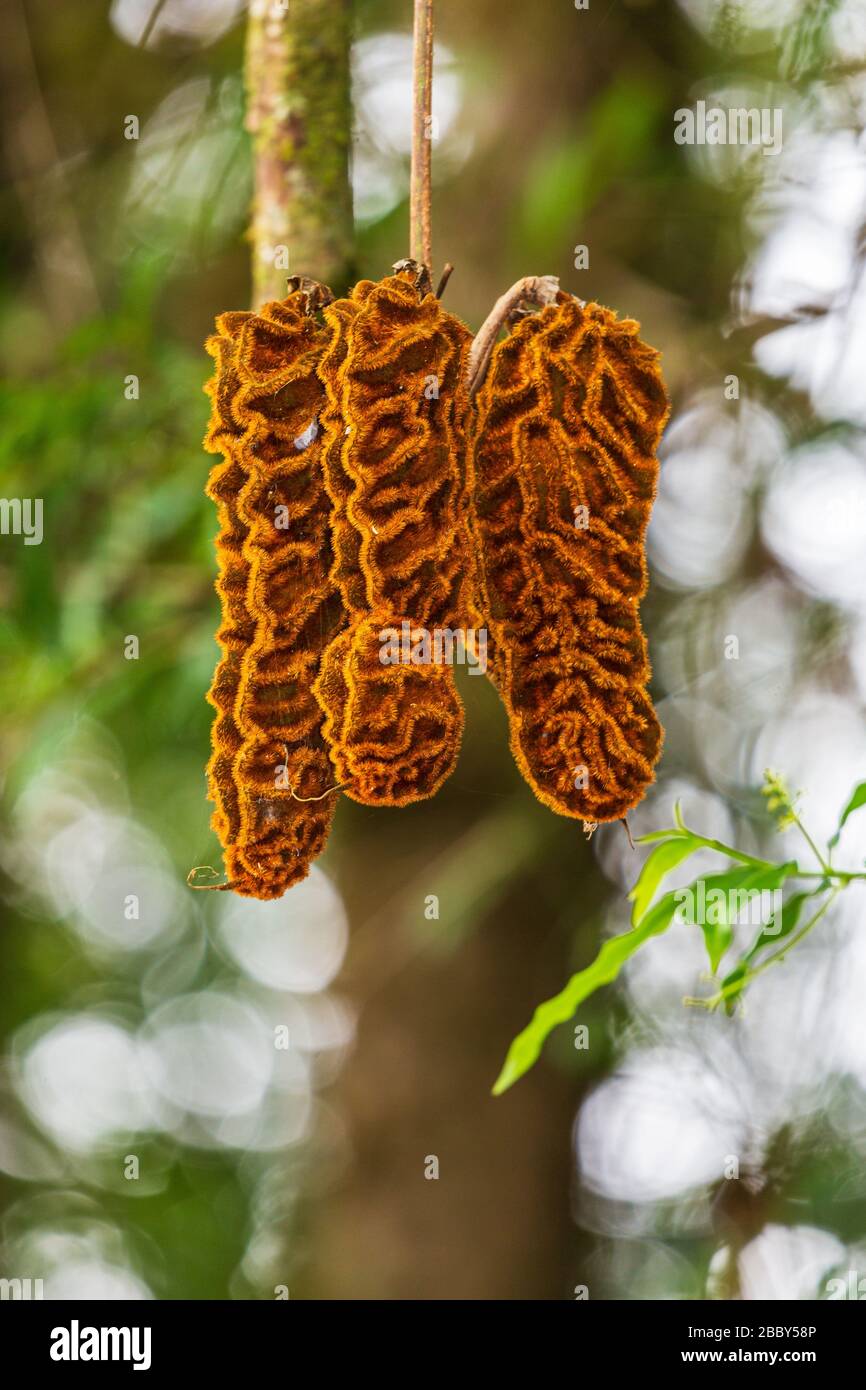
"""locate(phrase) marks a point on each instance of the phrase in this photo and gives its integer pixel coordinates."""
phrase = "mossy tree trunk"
(299, 117)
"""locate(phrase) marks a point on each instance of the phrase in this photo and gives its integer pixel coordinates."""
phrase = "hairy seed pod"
(392, 728)
(395, 471)
(269, 772)
(224, 435)
(564, 438)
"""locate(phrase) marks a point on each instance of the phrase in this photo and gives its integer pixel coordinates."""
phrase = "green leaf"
(663, 859)
(682, 832)
(855, 801)
(526, 1047)
(671, 833)
(672, 847)
(712, 897)
(774, 931)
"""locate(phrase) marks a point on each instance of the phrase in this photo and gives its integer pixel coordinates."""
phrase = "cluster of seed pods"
(363, 490)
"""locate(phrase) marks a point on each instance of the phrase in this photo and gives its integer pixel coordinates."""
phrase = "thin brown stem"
(444, 278)
(532, 289)
(420, 228)
(150, 23)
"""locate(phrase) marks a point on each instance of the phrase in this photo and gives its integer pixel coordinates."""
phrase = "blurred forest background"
(153, 1141)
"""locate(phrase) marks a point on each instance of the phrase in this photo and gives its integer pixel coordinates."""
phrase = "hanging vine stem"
(420, 217)
(532, 289)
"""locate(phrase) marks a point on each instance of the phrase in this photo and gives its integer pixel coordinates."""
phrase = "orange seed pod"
(565, 432)
(269, 773)
(393, 457)
(392, 728)
(237, 629)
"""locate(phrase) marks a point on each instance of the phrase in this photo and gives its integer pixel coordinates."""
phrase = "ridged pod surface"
(237, 628)
(395, 470)
(280, 607)
(564, 435)
(393, 728)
